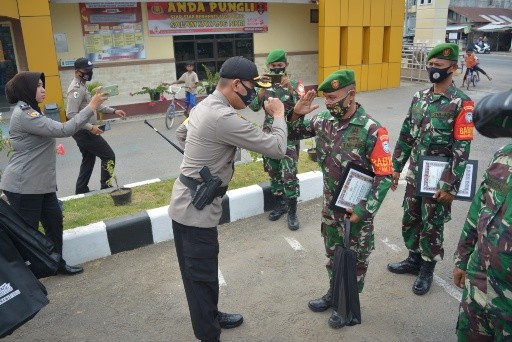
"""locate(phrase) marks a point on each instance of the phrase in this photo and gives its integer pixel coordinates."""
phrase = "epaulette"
(77, 84)
(25, 107)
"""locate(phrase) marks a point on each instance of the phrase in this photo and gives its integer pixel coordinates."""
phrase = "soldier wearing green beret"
(345, 133)
(438, 123)
(284, 183)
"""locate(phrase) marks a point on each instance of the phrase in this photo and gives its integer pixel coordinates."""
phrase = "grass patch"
(83, 211)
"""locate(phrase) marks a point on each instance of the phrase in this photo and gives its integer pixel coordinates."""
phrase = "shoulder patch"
(380, 157)
(464, 126)
(77, 85)
(32, 113)
(75, 94)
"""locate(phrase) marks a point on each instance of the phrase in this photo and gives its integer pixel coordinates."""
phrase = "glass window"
(211, 50)
(184, 51)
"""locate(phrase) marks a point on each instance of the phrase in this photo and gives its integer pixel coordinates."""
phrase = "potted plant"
(154, 92)
(120, 196)
(310, 144)
(211, 79)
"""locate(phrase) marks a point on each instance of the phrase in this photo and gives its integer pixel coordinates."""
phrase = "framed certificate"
(430, 170)
(354, 186)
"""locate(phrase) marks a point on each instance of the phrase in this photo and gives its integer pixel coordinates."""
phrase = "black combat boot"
(410, 265)
(280, 208)
(293, 220)
(324, 303)
(336, 321)
(424, 279)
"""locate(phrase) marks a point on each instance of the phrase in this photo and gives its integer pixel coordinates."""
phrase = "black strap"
(347, 232)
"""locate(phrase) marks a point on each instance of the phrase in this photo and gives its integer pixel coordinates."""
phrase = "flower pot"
(121, 196)
(154, 96)
(312, 154)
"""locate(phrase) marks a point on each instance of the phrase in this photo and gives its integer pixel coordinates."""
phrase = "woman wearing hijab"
(29, 180)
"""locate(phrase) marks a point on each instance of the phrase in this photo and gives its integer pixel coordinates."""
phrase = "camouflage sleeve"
(403, 146)
(257, 103)
(452, 175)
(469, 234)
(368, 208)
(380, 159)
(301, 128)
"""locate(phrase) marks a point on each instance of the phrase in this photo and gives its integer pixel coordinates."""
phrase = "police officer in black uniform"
(88, 139)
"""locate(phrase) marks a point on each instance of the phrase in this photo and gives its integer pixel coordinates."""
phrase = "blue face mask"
(247, 98)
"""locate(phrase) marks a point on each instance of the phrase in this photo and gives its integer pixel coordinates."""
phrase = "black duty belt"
(192, 184)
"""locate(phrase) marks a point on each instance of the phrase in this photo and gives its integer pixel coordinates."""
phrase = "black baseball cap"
(243, 69)
(83, 63)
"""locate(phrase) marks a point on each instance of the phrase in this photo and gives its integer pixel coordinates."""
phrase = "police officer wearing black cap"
(214, 132)
(88, 139)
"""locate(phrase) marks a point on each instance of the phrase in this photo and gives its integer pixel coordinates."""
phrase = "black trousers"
(44, 208)
(92, 146)
(197, 250)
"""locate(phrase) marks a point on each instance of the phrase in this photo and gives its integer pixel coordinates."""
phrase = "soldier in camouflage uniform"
(284, 183)
(483, 263)
(345, 133)
(439, 123)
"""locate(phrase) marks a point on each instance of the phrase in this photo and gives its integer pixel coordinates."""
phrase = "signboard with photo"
(112, 31)
(196, 17)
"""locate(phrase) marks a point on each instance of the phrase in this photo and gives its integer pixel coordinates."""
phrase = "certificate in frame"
(354, 186)
(431, 168)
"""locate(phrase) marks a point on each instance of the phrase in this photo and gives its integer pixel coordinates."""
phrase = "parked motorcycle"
(485, 48)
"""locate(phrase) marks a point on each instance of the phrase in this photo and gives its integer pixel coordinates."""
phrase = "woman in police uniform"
(29, 180)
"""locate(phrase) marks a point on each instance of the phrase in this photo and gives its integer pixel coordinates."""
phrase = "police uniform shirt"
(31, 168)
(78, 97)
(212, 135)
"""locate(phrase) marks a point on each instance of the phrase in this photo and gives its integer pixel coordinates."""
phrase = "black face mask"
(247, 98)
(277, 71)
(86, 76)
(437, 75)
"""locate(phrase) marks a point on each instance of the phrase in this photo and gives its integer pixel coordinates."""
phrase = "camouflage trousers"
(362, 241)
(423, 224)
(481, 317)
(283, 172)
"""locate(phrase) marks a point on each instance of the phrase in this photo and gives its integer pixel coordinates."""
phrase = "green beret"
(276, 56)
(337, 80)
(449, 51)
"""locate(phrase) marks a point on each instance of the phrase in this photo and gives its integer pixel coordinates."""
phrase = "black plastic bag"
(345, 296)
(34, 247)
(21, 294)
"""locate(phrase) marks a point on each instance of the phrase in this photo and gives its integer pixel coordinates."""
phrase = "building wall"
(289, 29)
(362, 35)
(431, 22)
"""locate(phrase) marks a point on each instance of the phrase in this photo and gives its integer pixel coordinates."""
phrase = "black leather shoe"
(229, 321)
(410, 265)
(336, 321)
(69, 270)
(424, 279)
(321, 304)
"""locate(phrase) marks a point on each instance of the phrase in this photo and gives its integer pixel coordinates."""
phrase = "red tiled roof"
(474, 13)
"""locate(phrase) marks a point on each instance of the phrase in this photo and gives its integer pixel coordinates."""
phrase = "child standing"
(191, 81)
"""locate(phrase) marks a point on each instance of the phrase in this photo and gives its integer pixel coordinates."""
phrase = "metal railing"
(414, 61)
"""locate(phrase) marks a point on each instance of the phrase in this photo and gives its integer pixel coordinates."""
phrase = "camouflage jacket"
(485, 243)
(337, 143)
(289, 101)
(429, 130)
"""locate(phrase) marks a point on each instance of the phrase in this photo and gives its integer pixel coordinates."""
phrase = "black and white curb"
(105, 238)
